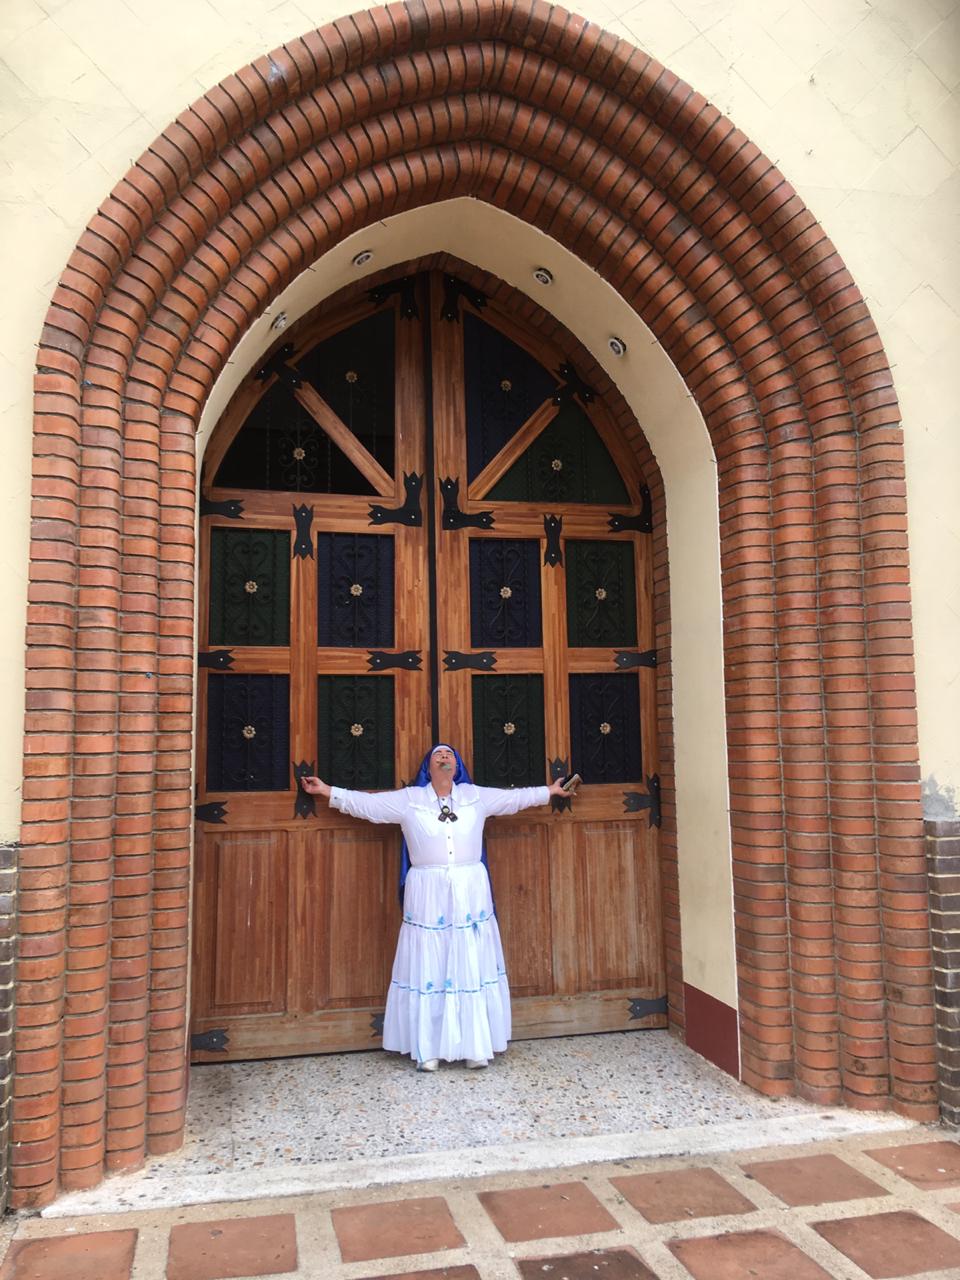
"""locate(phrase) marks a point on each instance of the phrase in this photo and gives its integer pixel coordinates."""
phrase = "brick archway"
(530, 109)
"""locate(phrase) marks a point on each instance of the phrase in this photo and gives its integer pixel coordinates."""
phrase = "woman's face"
(443, 765)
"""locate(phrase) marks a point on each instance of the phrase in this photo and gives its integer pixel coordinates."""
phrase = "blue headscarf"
(461, 774)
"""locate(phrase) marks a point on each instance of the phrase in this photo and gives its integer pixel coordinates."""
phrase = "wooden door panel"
(241, 923)
(520, 873)
(356, 872)
(618, 916)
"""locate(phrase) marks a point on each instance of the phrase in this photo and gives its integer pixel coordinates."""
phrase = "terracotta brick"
(743, 1255)
(819, 1179)
(261, 1246)
(99, 1255)
(393, 1228)
(536, 1213)
(892, 1244)
(679, 1194)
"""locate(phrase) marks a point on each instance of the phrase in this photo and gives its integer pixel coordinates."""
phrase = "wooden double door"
(419, 524)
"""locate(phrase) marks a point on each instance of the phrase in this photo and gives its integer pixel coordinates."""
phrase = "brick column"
(8, 930)
(943, 863)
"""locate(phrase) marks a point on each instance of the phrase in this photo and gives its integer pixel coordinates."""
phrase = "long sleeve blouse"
(433, 843)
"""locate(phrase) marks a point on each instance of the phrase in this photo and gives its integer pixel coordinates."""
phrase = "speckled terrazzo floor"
(299, 1124)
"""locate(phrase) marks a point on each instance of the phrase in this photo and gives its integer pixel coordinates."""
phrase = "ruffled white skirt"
(448, 996)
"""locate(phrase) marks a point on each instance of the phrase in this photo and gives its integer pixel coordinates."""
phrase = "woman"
(448, 996)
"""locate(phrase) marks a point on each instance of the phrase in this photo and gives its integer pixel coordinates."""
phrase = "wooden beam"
(344, 439)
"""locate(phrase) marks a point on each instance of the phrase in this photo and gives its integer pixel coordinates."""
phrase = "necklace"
(446, 813)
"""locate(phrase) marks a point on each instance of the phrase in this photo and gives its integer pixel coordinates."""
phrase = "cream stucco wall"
(859, 103)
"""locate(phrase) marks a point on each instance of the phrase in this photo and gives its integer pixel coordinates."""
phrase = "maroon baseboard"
(711, 1029)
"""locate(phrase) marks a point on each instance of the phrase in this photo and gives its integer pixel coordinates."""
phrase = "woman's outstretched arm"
(378, 806)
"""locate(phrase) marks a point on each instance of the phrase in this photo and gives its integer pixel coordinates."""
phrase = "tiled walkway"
(877, 1205)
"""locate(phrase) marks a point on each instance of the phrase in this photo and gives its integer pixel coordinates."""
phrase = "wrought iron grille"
(505, 607)
(354, 372)
(605, 727)
(280, 447)
(355, 740)
(249, 586)
(568, 462)
(248, 733)
(503, 386)
(508, 738)
(601, 594)
(355, 590)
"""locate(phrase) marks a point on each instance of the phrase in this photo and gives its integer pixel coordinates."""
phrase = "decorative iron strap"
(376, 1026)
(303, 543)
(406, 288)
(453, 291)
(627, 661)
(409, 513)
(552, 526)
(304, 805)
(559, 769)
(572, 385)
(215, 811)
(453, 517)
(231, 508)
(634, 802)
(215, 1041)
(642, 523)
(411, 660)
(643, 1008)
(218, 659)
(477, 661)
(278, 364)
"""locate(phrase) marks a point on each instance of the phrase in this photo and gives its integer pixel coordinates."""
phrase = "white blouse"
(433, 843)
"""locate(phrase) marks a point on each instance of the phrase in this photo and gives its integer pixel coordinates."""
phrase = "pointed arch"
(528, 108)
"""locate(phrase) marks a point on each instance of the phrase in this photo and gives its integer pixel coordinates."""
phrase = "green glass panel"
(568, 462)
(601, 594)
(355, 741)
(249, 586)
(508, 738)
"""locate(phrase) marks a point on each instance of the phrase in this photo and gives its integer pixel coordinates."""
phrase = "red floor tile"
(678, 1194)
(442, 1273)
(536, 1213)
(746, 1255)
(813, 1180)
(396, 1227)
(594, 1264)
(264, 1246)
(886, 1245)
(94, 1255)
(925, 1164)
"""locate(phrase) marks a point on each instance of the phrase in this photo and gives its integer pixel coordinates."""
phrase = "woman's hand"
(556, 788)
(315, 787)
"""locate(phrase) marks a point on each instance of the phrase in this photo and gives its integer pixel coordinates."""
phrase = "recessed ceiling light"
(543, 275)
(280, 322)
(617, 345)
(362, 258)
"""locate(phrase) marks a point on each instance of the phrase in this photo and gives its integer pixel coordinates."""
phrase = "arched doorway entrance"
(420, 522)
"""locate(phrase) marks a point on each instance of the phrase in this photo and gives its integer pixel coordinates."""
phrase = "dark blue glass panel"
(354, 590)
(248, 733)
(605, 727)
(505, 593)
(503, 384)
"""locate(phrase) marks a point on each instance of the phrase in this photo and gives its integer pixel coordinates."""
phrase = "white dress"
(448, 995)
